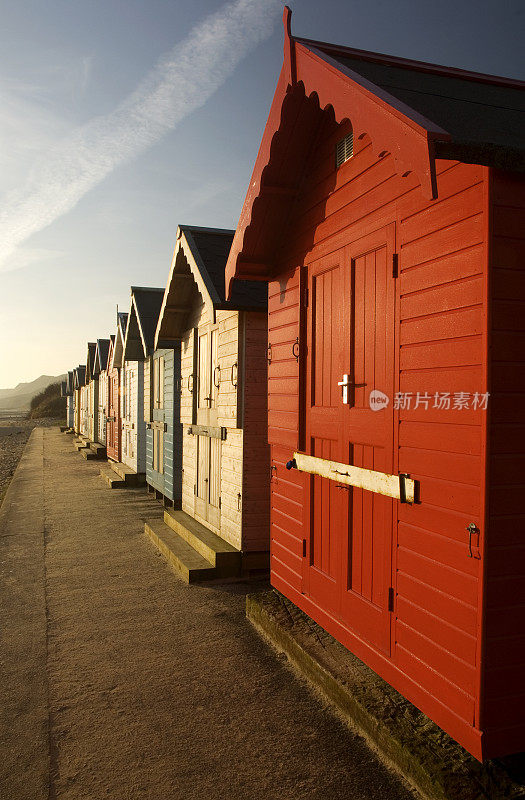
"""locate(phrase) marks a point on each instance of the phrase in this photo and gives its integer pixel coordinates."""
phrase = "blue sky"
(107, 140)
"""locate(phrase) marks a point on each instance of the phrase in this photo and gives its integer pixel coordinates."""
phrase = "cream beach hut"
(225, 457)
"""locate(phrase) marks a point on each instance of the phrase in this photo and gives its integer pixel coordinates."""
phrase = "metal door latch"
(472, 530)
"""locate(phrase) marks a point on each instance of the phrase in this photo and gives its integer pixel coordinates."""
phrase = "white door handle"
(345, 384)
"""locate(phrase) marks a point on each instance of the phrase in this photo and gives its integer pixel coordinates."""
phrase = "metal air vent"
(344, 150)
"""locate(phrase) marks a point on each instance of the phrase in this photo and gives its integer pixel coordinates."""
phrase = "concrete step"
(127, 474)
(98, 449)
(79, 445)
(221, 555)
(189, 564)
(112, 480)
(88, 454)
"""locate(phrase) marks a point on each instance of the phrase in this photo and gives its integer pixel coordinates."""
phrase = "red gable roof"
(411, 110)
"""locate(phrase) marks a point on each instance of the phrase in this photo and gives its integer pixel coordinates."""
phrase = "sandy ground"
(122, 682)
(14, 433)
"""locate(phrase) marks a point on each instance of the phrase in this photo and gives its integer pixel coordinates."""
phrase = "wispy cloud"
(26, 130)
(182, 81)
(87, 67)
(203, 194)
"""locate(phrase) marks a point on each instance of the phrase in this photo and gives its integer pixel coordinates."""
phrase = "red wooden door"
(350, 330)
(113, 422)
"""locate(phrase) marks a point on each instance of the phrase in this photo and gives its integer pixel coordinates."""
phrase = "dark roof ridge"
(147, 289)
(408, 63)
(224, 231)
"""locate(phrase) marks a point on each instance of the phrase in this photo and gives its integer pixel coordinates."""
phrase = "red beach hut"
(386, 213)
(114, 418)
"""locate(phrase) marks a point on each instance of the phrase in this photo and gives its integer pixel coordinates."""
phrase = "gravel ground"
(14, 433)
(122, 682)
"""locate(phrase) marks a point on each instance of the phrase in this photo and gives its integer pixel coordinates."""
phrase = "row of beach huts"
(176, 399)
(339, 382)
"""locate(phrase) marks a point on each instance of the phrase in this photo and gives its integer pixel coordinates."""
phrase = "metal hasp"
(400, 487)
(208, 430)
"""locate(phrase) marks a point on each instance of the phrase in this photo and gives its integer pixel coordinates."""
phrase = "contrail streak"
(182, 81)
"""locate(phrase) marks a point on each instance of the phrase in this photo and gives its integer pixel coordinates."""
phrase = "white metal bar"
(400, 487)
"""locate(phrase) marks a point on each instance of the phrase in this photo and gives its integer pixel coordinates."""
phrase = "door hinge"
(220, 502)
(391, 598)
(194, 488)
(304, 548)
(395, 265)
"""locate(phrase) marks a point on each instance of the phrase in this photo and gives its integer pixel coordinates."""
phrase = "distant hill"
(48, 403)
(19, 398)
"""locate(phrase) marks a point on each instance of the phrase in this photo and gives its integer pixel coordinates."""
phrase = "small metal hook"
(472, 529)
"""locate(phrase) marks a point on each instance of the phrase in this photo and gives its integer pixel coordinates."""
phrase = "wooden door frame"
(305, 382)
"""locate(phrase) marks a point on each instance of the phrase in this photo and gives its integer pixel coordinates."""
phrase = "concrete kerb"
(432, 762)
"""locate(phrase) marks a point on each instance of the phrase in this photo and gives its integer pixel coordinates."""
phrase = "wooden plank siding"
(70, 410)
(440, 348)
(284, 313)
(256, 452)
(241, 408)
(504, 645)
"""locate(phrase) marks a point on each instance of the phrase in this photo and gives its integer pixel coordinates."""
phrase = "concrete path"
(120, 681)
